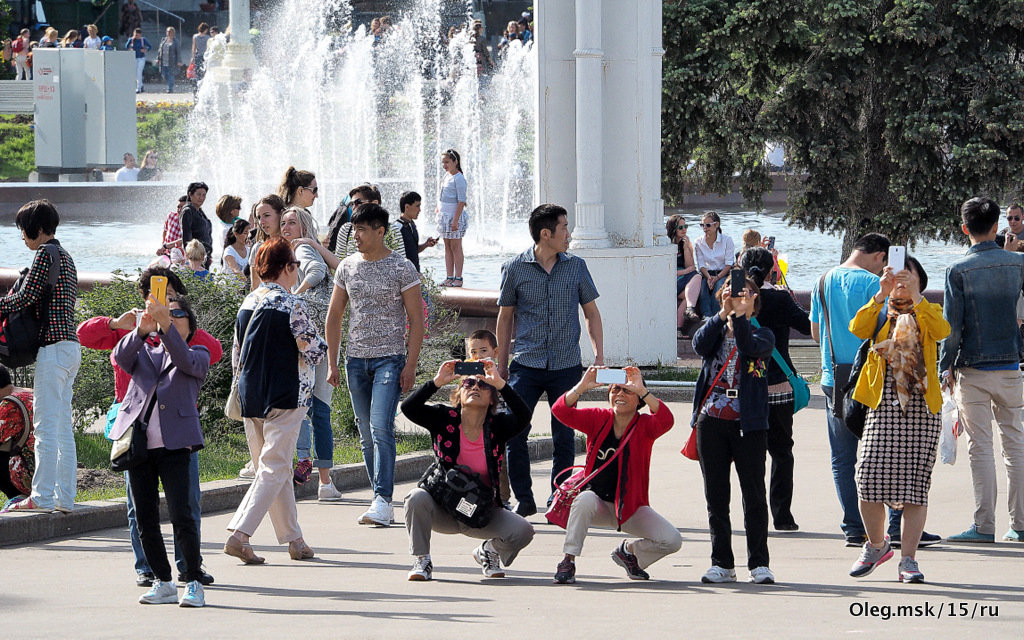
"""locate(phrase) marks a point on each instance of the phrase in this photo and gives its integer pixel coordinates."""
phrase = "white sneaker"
(762, 575)
(717, 574)
(194, 596)
(422, 569)
(328, 493)
(489, 561)
(248, 472)
(380, 513)
(160, 593)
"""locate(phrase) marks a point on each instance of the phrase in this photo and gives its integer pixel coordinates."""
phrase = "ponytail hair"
(238, 229)
(454, 156)
(292, 180)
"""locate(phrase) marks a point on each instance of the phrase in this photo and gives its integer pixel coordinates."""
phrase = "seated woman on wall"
(714, 253)
(468, 433)
(17, 445)
(688, 279)
(617, 495)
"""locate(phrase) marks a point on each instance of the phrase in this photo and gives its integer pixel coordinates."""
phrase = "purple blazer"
(178, 390)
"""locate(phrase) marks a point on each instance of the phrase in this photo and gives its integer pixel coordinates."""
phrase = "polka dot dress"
(897, 452)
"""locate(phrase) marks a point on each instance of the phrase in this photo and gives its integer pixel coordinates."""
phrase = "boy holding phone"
(409, 204)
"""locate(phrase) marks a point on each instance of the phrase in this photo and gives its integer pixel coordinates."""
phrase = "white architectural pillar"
(589, 232)
(238, 60)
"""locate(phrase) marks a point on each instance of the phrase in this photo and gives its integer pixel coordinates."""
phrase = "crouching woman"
(467, 433)
(617, 495)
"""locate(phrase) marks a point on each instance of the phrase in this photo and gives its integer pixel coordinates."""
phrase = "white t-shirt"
(376, 327)
(124, 174)
(92, 43)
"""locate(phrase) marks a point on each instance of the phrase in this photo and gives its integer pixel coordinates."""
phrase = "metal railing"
(159, 10)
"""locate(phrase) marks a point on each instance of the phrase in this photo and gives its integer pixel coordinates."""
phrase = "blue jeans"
(194, 506)
(530, 383)
(168, 74)
(55, 482)
(707, 302)
(375, 388)
(844, 458)
(316, 432)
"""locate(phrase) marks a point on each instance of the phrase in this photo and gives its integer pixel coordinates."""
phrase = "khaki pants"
(508, 532)
(980, 396)
(657, 537)
(272, 445)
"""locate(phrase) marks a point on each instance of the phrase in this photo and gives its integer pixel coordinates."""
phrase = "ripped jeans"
(375, 388)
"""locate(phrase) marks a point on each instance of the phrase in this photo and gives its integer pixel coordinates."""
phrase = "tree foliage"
(892, 112)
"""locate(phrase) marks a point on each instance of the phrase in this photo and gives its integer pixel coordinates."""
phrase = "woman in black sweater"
(470, 434)
(780, 313)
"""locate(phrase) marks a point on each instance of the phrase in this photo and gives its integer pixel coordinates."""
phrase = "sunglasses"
(294, 262)
(1014, 218)
(179, 313)
(312, 190)
(469, 383)
(618, 389)
(356, 202)
(709, 224)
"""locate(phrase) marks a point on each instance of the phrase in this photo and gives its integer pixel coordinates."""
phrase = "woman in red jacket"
(617, 496)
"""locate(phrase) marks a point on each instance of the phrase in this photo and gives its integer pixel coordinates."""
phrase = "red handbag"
(565, 494)
(689, 449)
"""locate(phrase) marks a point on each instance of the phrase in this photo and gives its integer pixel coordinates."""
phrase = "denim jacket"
(980, 305)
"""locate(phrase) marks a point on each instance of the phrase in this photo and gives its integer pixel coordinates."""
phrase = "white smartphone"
(898, 258)
(611, 376)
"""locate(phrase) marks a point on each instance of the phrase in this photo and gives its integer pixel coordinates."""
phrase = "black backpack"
(21, 331)
(338, 218)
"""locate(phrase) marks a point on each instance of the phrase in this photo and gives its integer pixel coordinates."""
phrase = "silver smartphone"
(611, 376)
(898, 258)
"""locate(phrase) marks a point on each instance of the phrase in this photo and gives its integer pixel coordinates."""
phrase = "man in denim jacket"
(980, 360)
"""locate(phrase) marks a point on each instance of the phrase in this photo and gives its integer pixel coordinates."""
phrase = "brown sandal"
(299, 550)
(242, 550)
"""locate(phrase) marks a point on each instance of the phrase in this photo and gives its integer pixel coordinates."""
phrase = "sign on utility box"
(84, 108)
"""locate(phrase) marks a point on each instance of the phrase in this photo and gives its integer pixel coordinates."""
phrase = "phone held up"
(611, 376)
(158, 288)
(469, 368)
(737, 282)
(897, 258)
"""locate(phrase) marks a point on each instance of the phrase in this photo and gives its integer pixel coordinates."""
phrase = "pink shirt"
(471, 454)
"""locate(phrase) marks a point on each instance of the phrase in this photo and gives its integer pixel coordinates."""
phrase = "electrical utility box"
(109, 90)
(59, 76)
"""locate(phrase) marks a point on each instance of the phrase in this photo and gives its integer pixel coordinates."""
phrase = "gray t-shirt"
(376, 327)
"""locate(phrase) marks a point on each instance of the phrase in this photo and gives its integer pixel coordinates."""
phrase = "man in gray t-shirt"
(383, 289)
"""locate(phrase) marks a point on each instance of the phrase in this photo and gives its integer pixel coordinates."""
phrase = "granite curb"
(218, 495)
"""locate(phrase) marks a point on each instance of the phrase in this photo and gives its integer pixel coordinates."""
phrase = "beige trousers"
(272, 446)
(980, 397)
(657, 537)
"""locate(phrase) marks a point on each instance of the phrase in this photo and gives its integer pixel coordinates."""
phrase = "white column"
(238, 57)
(589, 231)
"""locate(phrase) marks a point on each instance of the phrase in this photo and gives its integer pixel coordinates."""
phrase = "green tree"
(892, 112)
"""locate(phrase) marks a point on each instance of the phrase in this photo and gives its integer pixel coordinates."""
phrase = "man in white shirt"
(129, 172)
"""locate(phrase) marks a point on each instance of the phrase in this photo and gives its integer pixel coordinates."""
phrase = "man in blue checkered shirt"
(541, 290)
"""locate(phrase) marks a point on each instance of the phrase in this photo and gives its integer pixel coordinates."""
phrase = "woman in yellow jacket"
(900, 386)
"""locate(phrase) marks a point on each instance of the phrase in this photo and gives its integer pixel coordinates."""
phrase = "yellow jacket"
(872, 377)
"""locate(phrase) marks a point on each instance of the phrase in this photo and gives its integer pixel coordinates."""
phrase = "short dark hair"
(187, 308)
(370, 214)
(408, 198)
(172, 279)
(36, 216)
(545, 217)
(872, 243)
(196, 186)
(1014, 205)
(758, 263)
(922, 277)
(979, 215)
(5, 377)
(484, 334)
(368, 191)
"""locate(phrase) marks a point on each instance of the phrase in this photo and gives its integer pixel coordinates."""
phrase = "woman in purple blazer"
(169, 374)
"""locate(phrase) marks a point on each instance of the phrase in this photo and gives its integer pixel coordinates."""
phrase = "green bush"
(162, 128)
(17, 147)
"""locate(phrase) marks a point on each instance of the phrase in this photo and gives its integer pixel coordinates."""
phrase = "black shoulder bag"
(461, 492)
(132, 448)
(21, 332)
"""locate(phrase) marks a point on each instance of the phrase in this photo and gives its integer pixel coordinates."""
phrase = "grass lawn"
(676, 374)
(17, 147)
(219, 460)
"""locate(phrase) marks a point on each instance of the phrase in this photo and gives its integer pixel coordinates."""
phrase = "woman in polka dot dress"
(467, 433)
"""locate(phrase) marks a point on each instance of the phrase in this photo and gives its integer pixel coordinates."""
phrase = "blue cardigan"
(752, 345)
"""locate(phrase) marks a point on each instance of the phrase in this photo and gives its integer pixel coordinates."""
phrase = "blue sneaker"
(1013, 535)
(972, 535)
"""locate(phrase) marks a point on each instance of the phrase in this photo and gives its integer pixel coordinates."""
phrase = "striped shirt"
(59, 323)
(546, 308)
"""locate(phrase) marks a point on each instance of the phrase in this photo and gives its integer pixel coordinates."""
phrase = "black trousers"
(6, 485)
(780, 448)
(719, 442)
(171, 468)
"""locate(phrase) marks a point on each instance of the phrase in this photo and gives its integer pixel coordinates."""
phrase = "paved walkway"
(356, 587)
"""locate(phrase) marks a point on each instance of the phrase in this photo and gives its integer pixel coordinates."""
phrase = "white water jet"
(331, 98)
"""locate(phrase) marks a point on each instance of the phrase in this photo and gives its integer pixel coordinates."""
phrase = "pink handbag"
(565, 494)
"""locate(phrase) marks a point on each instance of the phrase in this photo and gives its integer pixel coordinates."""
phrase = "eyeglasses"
(1013, 218)
(709, 224)
(469, 383)
(312, 190)
(179, 313)
(294, 262)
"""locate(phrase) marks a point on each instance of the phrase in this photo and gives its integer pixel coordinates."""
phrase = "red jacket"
(95, 333)
(596, 423)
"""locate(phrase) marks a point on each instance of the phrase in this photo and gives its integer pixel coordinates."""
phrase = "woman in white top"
(714, 253)
(93, 41)
(236, 255)
(452, 220)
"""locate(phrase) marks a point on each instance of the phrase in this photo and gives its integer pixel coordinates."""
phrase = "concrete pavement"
(356, 587)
